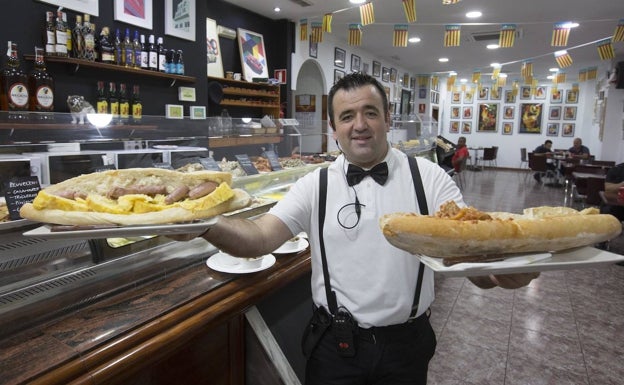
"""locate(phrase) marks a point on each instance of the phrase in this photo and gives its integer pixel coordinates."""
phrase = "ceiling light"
(495, 65)
(492, 46)
(414, 40)
(502, 75)
(554, 69)
(473, 14)
(570, 24)
(443, 59)
(357, 1)
(463, 80)
(550, 77)
(277, 9)
(562, 52)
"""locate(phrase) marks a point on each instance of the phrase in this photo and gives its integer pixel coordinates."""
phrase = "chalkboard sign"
(19, 191)
(273, 160)
(210, 164)
(246, 164)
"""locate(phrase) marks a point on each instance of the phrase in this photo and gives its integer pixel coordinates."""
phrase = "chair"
(489, 155)
(523, 158)
(594, 187)
(538, 163)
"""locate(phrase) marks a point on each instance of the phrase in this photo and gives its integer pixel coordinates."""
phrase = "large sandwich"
(136, 197)
(467, 234)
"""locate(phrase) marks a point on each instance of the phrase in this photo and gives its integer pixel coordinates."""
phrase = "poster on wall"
(253, 55)
(488, 113)
(214, 66)
(530, 118)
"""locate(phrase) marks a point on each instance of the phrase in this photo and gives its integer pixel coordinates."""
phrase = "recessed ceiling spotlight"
(554, 69)
(357, 1)
(414, 39)
(443, 59)
(492, 46)
(463, 80)
(473, 14)
(550, 77)
(495, 65)
(562, 52)
(502, 75)
(570, 24)
(277, 9)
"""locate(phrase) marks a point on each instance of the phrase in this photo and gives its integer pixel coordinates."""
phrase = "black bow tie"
(379, 173)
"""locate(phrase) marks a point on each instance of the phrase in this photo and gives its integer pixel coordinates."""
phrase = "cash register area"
(566, 327)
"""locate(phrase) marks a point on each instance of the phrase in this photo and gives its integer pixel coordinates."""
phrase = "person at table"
(613, 182)
(578, 150)
(461, 153)
(544, 150)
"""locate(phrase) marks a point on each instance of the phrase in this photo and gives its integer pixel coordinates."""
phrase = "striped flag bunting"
(476, 76)
(409, 6)
(434, 81)
(400, 35)
(452, 35)
(527, 69)
(534, 83)
(327, 19)
(450, 82)
(507, 36)
(367, 14)
(495, 72)
(560, 35)
(561, 77)
(563, 59)
(494, 92)
(515, 87)
(355, 34)
(303, 29)
(592, 73)
(618, 35)
(423, 80)
(447, 2)
(575, 87)
(528, 79)
(317, 32)
(582, 76)
(501, 81)
(605, 49)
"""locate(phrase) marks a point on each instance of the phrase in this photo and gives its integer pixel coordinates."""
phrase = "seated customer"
(546, 150)
(578, 150)
(613, 181)
(461, 153)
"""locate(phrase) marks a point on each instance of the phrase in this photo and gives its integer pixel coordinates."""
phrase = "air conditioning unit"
(226, 32)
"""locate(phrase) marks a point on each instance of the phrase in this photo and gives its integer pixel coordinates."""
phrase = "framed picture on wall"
(466, 127)
(376, 69)
(455, 112)
(385, 74)
(454, 127)
(530, 118)
(180, 19)
(567, 129)
(552, 129)
(556, 95)
(540, 93)
(85, 6)
(507, 128)
(393, 75)
(313, 48)
(467, 112)
(525, 93)
(406, 81)
(488, 115)
(510, 96)
(422, 93)
(483, 93)
(468, 96)
(126, 11)
(554, 113)
(339, 57)
(338, 74)
(496, 93)
(214, 63)
(355, 63)
(456, 97)
(252, 54)
(571, 96)
(569, 113)
(509, 112)
(365, 68)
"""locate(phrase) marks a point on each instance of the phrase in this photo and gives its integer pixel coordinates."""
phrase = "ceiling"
(534, 20)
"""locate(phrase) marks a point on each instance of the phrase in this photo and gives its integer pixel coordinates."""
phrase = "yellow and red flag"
(367, 13)
(575, 87)
(605, 49)
(450, 82)
(400, 35)
(434, 81)
(317, 32)
(452, 35)
(560, 76)
(582, 76)
(327, 19)
(303, 29)
(476, 76)
(355, 34)
(507, 36)
(447, 2)
(495, 72)
(618, 35)
(501, 81)
(527, 69)
(592, 73)
(563, 59)
(423, 80)
(515, 86)
(560, 35)
(409, 6)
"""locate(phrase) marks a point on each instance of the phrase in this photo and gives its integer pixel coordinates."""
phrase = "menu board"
(246, 164)
(273, 160)
(19, 191)
(209, 164)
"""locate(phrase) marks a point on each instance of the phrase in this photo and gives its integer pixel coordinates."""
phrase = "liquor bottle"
(41, 86)
(77, 39)
(179, 63)
(113, 102)
(14, 82)
(68, 33)
(61, 35)
(128, 50)
(102, 100)
(107, 49)
(137, 106)
(89, 38)
(170, 63)
(162, 56)
(144, 54)
(124, 103)
(50, 39)
(137, 49)
(96, 43)
(118, 49)
(152, 54)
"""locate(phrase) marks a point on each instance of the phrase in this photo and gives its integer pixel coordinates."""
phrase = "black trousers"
(391, 355)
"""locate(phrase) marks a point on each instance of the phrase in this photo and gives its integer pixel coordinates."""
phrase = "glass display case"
(415, 136)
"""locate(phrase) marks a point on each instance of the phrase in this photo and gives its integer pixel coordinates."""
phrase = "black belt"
(392, 331)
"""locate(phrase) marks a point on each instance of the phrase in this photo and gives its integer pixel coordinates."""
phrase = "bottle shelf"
(113, 67)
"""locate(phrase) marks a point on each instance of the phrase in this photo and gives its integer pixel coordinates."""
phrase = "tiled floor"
(566, 327)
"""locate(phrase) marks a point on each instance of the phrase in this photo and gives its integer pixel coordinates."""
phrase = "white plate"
(582, 257)
(225, 263)
(286, 248)
(196, 227)
(15, 224)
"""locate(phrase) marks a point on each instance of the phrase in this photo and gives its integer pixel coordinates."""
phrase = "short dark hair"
(352, 81)
(548, 141)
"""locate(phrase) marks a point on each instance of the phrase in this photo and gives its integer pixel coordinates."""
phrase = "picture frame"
(569, 113)
(406, 80)
(252, 54)
(483, 93)
(496, 93)
(455, 112)
(567, 129)
(488, 116)
(385, 74)
(571, 96)
(174, 111)
(467, 112)
(422, 108)
(466, 128)
(355, 63)
(139, 16)
(525, 93)
(552, 129)
(339, 57)
(92, 7)
(376, 69)
(422, 93)
(214, 61)
(454, 127)
(406, 98)
(312, 48)
(393, 75)
(556, 96)
(554, 113)
(412, 83)
(510, 96)
(365, 67)
(180, 19)
(468, 96)
(197, 112)
(530, 118)
(338, 74)
(509, 112)
(455, 97)
(540, 92)
(508, 128)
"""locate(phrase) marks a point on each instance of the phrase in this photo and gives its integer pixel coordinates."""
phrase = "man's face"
(548, 145)
(577, 143)
(360, 125)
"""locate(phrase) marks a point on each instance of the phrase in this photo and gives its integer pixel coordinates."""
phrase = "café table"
(475, 164)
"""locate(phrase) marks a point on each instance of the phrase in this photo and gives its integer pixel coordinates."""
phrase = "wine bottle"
(61, 35)
(113, 102)
(41, 86)
(136, 46)
(14, 82)
(118, 50)
(162, 56)
(88, 38)
(124, 104)
(144, 54)
(152, 54)
(137, 106)
(128, 50)
(102, 100)
(107, 48)
(50, 34)
(77, 39)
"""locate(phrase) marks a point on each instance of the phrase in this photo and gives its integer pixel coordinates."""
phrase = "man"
(545, 150)
(613, 182)
(461, 153)
(578, 150)
(374, 282)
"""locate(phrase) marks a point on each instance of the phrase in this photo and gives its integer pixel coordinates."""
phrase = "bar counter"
(185, 327)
